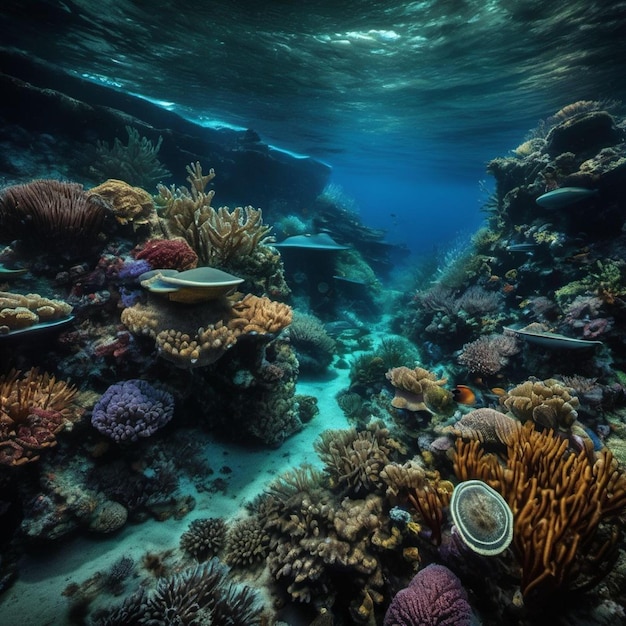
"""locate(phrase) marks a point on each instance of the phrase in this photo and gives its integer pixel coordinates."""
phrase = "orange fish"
(498, 391)
(464, 395)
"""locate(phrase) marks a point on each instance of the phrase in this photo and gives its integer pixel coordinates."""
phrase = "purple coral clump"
(435, 597)
(132, 409)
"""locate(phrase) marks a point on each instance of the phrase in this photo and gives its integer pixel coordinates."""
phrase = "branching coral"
(204, 538)
(548, 403)
(18, 311)
(247, 543)
(34, 408)
(136, 162)
(53, 217)
(488, 354)
(560, 501)
(354, 459)
(201, 594)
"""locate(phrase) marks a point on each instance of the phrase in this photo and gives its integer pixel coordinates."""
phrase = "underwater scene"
(312, 313)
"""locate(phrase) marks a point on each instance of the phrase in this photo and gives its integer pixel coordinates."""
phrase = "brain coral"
(132, 409)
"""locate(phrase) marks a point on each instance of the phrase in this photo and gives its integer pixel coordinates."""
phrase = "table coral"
(132, 409)
(34, 408)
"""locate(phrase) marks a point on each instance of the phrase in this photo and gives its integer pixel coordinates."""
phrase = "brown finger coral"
(548, 403)
(204, 538)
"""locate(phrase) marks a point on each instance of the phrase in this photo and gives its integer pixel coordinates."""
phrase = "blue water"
(406, 100)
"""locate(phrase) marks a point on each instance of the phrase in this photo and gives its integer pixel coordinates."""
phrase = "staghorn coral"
(18, 311)
(434, 597)
(132, 409)
(548, 403)
(204, 538)
(174, 254)
(354, 459)
(247, 543)
(560, 503)
(488, 354)
(416, 389)
(203, 594)
(314, 346)
(235, 240)
(197, 335)
(52, 217)
(34, 408)
(136, 162)
(130, 205)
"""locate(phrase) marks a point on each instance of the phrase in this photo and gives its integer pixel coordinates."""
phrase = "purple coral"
(435, 597)
(132, 409)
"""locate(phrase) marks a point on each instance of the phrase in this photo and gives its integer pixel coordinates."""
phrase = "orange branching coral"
(564, 507)
(129, 204)
(33, 409)
(413, 387)
(53, 217)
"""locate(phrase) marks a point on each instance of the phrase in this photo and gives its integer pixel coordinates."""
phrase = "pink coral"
(175, 254)
(435, 597)
(488, 354)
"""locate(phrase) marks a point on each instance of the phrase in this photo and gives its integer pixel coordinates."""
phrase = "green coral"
(605, 277)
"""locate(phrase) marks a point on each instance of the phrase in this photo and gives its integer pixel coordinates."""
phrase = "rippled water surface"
(402, 98)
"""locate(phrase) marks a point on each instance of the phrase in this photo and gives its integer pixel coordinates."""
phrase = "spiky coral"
(204, 537)
(34, 408)
(54, 217)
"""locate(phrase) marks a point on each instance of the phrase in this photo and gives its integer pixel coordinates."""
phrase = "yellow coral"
(19, 311)
(129, 204)
(414, 389)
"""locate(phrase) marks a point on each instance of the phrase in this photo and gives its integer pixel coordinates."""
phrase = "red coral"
(174, 254)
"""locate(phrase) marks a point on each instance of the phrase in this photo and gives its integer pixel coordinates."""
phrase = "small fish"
(498, 391)
(522, 247)
(565, 196)
(464, 395)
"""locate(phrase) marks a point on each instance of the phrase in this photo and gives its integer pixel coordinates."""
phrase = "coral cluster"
(204, 538)
(34, 409)
(174, 254)
(418, 389)
(18, 311)
(132, 409)
(564, 505)
(55, 218)
(198, 335)
(488, 354)
(130, 205)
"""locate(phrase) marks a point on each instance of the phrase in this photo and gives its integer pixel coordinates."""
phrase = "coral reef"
(199, 594)
(130, 205)
(136, 162)
(34, 409)
(434, 596)
(55, 218)
(174, 254)
(197, 335)
(314, 346)
(19, 312)
(132, 409)
(204, 538)
(565, 507)
(418, 389)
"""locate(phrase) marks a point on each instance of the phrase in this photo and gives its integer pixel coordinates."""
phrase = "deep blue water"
(406, 100)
